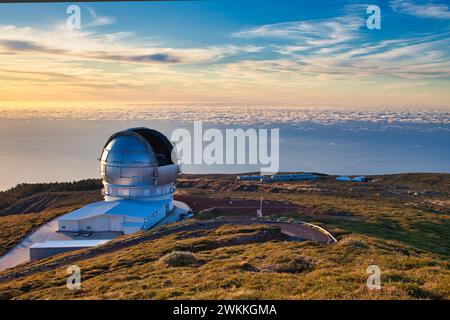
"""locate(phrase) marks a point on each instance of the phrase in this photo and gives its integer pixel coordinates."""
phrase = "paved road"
(297, 230)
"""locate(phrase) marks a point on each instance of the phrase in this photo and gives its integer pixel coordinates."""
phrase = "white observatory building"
(138, 177)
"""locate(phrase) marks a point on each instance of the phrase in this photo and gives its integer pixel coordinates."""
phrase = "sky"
(249, 52)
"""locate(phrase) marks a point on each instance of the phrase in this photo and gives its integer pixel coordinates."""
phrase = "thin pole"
(260, 206)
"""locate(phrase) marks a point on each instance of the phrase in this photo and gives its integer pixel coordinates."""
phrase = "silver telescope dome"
(137, 163)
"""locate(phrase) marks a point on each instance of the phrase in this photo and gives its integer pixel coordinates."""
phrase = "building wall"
(130, 230)
(163, 192)
(95, 224)
(68, 225)
(105, 222)
(115, 223)
(132, 219)
(41, 253)
(154, 218)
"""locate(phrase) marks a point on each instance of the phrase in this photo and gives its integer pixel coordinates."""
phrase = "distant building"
(294, 177)
(280, 177)
(355, 179)
(251, 178)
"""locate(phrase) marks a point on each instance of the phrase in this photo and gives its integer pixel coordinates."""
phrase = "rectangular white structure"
(125, 216)
(50, 248)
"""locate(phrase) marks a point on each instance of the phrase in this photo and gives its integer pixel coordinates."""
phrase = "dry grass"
(353, 242)
(271, 270)
(232, 267)
(14, 228)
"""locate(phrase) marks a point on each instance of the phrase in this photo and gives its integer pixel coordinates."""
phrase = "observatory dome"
(137, 164)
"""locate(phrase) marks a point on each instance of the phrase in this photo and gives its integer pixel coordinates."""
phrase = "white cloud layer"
(308, 34)
(338, 48)
(121, 46)
(226, 114)
(97, 20)
(423, 10)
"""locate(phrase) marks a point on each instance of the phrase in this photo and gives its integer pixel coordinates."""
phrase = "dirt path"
(296, 231)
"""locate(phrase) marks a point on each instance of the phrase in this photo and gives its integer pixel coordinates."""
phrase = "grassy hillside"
(398, 222)
(27, 213)
(16, 195)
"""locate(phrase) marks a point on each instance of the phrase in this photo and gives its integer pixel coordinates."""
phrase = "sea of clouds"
(231, 114)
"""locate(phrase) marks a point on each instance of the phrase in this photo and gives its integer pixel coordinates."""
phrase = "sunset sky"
(287, 52)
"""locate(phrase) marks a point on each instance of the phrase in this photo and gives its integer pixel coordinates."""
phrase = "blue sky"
(286, 52)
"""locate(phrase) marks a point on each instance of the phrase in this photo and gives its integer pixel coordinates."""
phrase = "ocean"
(63, 144)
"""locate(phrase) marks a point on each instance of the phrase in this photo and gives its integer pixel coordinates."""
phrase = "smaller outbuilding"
(294, 177)
(343, 178)
(251, 178)
(50, 248)
(355, 179)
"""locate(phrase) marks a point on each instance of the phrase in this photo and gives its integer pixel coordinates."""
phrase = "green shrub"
(290, 265)
(353, 242)
(246, 266)
(180, 259)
